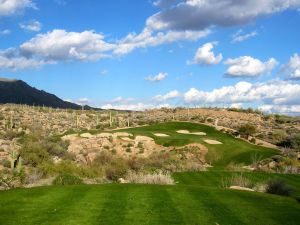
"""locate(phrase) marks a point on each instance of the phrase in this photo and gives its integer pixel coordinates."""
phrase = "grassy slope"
(144, 204)
(232, 149)
(217, 179)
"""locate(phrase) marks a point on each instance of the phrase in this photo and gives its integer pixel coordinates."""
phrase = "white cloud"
(201, 14)
(19, 63)
(120, 100)
(246, 66)
(239, 37)
(271, 93)
(82, 101)
(31, 26)
(281, 109)
(4, 32)
(292, 69)
(170, 95)
(148, 38)
(60, 45)
(205, 56)
(11, 7)
(236, 105)
(159, 77)
(136, 107)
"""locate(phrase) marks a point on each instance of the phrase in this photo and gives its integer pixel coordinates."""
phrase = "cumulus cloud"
(240, 36)
(200, 14)
(61, 45)
(32, 25)
(148, 38)
(275, 92)
(159, 77)
(281, 109)
(205, 56)
(246, 66)
(292, 69)
(14, 63)
(135, 107)
(170, 95)
(165, 3)
(11, 7)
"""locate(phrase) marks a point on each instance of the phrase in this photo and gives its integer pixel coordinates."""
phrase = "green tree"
(247, 130)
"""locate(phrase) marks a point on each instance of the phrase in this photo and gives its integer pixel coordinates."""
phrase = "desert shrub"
(253, 140)
(117, 169)
(114, 151)
(10, 135)
(33, 153)
(5, 163)
(33, 176)
(292, 141)
(156, 178)
(247, 130)
(278, 187)
(103, 158)
(209, 120)
(67, 179)
(235, 166)
(136, 164)
(12, 180)
(238, 180)
(295, 141)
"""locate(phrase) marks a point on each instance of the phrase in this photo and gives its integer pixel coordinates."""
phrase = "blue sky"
(139, 54)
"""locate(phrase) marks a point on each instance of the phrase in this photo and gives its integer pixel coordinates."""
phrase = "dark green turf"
(144, 204)
(218, 178)
(232, 150)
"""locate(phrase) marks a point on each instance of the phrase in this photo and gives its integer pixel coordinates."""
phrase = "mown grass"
(144, 204)
(219, 178)
(232, 150)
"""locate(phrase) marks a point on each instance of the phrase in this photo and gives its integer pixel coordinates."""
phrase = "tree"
(247, 130)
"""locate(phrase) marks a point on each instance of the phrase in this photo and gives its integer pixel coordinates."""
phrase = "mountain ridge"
(19, 92)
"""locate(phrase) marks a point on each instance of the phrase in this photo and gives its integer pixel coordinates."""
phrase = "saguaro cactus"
(77, 121)
(11, 122)
(110, 119)
(19, 165)
(12, 158)
(97, 120)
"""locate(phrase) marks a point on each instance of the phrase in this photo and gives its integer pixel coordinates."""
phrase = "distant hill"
(19, 92)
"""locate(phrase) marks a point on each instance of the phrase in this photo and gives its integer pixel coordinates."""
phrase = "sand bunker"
(199, 133)
(104, 135)
(126, 139)
(122, 134)
(161, 135)
(183, 131)
(240, 188)
(212, 142)
(187, 132)
(143, 138)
